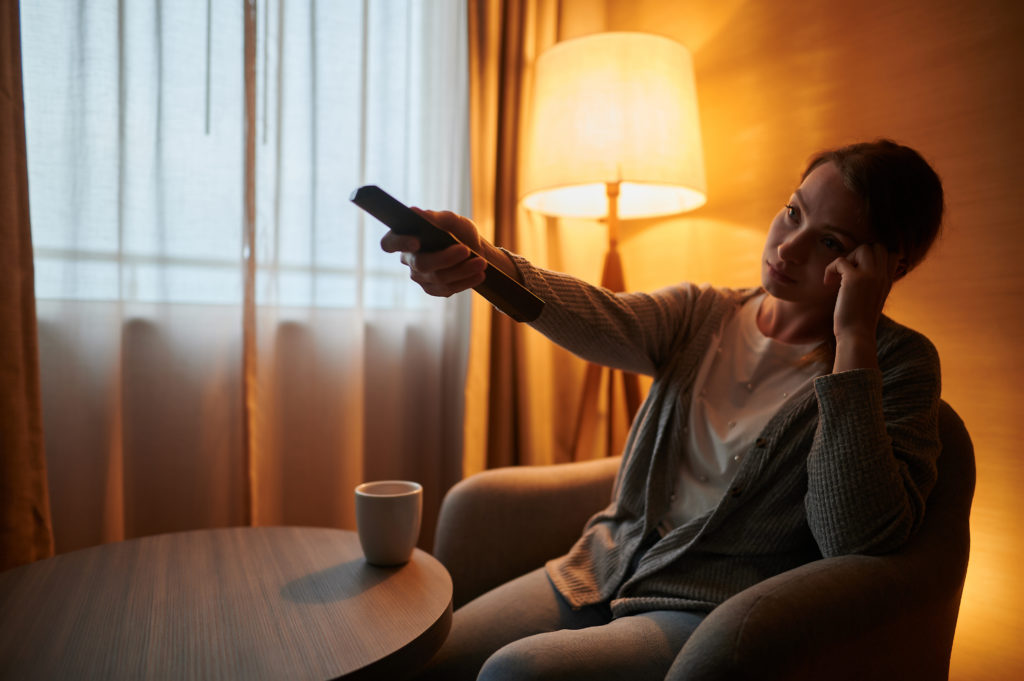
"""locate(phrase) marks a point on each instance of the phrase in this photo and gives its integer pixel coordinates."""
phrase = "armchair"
(849, 617)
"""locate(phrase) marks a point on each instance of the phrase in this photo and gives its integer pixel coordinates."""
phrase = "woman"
(784, 423)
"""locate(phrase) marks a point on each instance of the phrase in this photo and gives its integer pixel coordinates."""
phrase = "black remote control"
(504, 292)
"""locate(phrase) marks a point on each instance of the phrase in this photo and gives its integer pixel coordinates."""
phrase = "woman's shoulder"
(707, 294)
(900, 346)
(893, 333)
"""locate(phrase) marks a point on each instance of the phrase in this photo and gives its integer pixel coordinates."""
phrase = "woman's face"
(822, 221)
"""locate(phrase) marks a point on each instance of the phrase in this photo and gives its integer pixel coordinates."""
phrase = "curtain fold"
(250, 377)
(521, 389)
(25, 530)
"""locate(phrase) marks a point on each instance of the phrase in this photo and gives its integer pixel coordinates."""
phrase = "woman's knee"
(628, 648)
(520, 608)
(566, 655)
(521, 660)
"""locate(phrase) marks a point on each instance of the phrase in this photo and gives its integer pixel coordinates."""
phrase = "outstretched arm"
(625, 330)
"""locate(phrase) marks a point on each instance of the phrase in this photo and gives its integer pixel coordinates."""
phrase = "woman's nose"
(793, 248)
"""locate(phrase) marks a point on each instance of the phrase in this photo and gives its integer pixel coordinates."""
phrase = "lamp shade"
(614, 107)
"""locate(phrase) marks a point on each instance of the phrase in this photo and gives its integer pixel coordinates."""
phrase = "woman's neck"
(793, 323)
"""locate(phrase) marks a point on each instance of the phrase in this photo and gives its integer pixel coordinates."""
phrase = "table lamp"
(614, 134)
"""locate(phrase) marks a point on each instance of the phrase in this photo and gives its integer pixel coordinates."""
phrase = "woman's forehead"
(826, 199)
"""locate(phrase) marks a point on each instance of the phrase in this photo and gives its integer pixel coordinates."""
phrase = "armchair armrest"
(848, 617)
(505, 522)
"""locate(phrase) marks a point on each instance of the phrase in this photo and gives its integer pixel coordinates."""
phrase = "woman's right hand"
(448, 271)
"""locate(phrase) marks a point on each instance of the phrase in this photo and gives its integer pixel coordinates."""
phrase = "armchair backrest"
(944, 540)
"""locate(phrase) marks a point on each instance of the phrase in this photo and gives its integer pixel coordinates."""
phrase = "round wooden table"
(252, 603)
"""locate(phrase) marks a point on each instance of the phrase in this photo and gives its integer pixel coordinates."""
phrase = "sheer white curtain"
(190, 379)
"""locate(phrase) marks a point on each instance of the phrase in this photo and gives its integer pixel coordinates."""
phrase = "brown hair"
(902, 194)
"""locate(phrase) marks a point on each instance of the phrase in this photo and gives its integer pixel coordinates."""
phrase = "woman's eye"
(791, 212)
(833, 244)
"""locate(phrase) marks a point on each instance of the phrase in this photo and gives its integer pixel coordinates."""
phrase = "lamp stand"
(586, 420)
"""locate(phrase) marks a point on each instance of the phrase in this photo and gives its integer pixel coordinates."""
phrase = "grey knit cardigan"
(846, 469)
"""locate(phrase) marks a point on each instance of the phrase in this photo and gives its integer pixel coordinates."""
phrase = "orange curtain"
(504, 40)
(26, 530)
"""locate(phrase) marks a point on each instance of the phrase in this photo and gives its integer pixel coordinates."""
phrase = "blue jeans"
(525, 630)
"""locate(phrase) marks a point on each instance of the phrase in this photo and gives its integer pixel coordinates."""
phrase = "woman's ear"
(901, 269)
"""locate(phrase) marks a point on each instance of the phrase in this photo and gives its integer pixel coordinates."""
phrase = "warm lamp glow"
(615, 108)
(614, 134)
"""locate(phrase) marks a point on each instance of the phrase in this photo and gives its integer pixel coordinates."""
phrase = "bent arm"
(873, 461)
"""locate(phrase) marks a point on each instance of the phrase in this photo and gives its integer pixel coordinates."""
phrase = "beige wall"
(779, 79)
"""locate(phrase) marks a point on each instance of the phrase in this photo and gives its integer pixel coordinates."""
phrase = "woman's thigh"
(635, 647)
(520, 608)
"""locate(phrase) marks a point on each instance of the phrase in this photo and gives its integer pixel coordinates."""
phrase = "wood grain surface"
(254, 603)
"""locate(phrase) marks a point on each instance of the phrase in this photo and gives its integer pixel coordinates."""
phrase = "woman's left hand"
(865, 278)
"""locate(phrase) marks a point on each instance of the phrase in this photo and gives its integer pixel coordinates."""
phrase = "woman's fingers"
(392, 242)
(865, 279)
(436, 260)
(452, 287)
(449, 279)
(448, 271)
(835, 271)
(461, 228)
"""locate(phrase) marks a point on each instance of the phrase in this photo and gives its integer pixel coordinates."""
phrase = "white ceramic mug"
(388, 516)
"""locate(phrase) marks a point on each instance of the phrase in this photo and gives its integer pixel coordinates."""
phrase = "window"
(135, 116)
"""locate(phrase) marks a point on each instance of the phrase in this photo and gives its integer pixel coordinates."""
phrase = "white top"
(743, 381)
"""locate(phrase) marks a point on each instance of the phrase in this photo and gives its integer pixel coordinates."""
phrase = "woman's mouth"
(779, 276)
